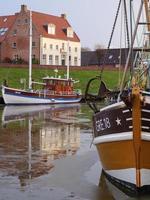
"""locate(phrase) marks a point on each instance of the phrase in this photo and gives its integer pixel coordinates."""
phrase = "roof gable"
(40, 20)
(5, 24)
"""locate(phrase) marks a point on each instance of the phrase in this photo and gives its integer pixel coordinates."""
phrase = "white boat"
(55, 89)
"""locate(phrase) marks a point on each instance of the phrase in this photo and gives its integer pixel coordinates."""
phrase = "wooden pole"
(147, 16)
(136, 121)
(30, 52)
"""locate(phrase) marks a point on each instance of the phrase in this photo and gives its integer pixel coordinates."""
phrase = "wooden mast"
(147, 15)
(68, 59)
(30, 52)
(130, 49)
(136, 113)
(148, 28)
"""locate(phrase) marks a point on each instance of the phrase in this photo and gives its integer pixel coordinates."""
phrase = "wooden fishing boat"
(122, 129)
(122, 137)
(55, 89)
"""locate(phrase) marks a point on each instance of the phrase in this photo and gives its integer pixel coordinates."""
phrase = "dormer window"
(3, 31)
(70, 32)
(51, 29)
(5, 19)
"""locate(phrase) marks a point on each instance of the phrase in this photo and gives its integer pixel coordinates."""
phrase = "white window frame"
(50, 59)
(57, 60)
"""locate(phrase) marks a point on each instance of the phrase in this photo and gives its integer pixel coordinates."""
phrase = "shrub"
(7, 60)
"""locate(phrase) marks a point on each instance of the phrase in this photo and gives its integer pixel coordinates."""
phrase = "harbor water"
(46, 152)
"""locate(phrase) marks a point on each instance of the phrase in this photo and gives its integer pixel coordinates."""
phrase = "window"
(56, 60)
(14, 45)
(51, 46)
(76, 49)
(44, 59)
(75, 61)
(3, 31)
(63, 46)
(51, 59)
(5, 20)
(33, 44)
(51, 29)
(14, 32)
(69, 49)
(57, 48)
(69, 60)
(70, 32)
(33, 57)
(63, 57)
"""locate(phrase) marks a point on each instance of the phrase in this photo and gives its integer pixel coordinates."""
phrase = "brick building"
(54, 42)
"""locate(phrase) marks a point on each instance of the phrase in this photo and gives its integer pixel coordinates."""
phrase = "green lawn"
(13, 76)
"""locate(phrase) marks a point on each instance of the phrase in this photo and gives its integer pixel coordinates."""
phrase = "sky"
(92, 20)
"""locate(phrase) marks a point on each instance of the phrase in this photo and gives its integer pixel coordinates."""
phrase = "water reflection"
(34, 141)
(31, 137)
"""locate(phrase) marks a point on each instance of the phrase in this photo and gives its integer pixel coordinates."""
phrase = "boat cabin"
(58, 85)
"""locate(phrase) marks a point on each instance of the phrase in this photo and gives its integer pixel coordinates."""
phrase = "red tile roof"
(40, 19)
(6, 22)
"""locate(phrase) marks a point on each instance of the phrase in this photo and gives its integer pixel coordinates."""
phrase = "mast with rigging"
(30, 51)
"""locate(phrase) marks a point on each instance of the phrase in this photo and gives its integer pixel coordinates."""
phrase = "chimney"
(64, 16)
(24, 8)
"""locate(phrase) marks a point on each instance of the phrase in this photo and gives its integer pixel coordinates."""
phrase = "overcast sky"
(92, 20)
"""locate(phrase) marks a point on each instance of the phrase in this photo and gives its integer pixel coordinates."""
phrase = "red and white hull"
(16, 96)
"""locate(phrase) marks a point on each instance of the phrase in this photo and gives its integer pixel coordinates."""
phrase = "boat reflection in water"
(33, 136)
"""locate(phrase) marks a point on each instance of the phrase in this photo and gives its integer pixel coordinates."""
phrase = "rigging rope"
(126, 23)
(120, 52)
(109, 43)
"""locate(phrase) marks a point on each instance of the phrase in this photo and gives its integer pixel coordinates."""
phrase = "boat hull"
(14, 96)
(114, 139)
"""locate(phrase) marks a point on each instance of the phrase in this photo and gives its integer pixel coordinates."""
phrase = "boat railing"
(50, 92)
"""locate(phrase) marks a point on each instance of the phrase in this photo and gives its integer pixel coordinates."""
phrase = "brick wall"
(21, 38)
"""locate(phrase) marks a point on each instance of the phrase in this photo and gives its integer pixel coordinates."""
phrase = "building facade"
(54, 41)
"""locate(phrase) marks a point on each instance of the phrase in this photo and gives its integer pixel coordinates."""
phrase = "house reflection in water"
(60, 140)
(31, 140)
